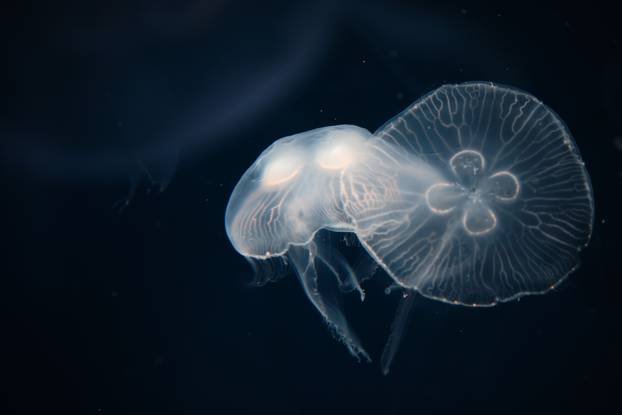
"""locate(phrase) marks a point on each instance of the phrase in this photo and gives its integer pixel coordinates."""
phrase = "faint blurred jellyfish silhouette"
(474, 195)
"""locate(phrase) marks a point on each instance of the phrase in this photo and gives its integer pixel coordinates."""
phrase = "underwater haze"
(146, 263)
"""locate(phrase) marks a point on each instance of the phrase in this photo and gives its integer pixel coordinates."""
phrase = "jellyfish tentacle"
(303, 259)
(397, 331)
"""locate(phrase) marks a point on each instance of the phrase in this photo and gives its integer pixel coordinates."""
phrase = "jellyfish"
(291, 192)
(474, 195)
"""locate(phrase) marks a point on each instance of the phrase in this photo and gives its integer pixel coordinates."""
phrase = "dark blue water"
(125, 129)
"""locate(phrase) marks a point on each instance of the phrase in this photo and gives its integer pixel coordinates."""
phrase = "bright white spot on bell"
(335, 158)
(282, 169)
(339, 152)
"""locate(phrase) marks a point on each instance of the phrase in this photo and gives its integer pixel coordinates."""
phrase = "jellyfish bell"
(502, 209)
(293, 190)
(504, 200)
(283, 201)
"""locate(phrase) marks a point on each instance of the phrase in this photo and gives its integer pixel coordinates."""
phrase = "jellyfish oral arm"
(397, 331)
(303, 259)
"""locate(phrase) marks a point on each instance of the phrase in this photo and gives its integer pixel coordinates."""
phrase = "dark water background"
(143, 307)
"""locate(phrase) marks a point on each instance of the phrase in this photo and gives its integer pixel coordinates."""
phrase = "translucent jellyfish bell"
(475, 194)
(478, 195)
(290, 193)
